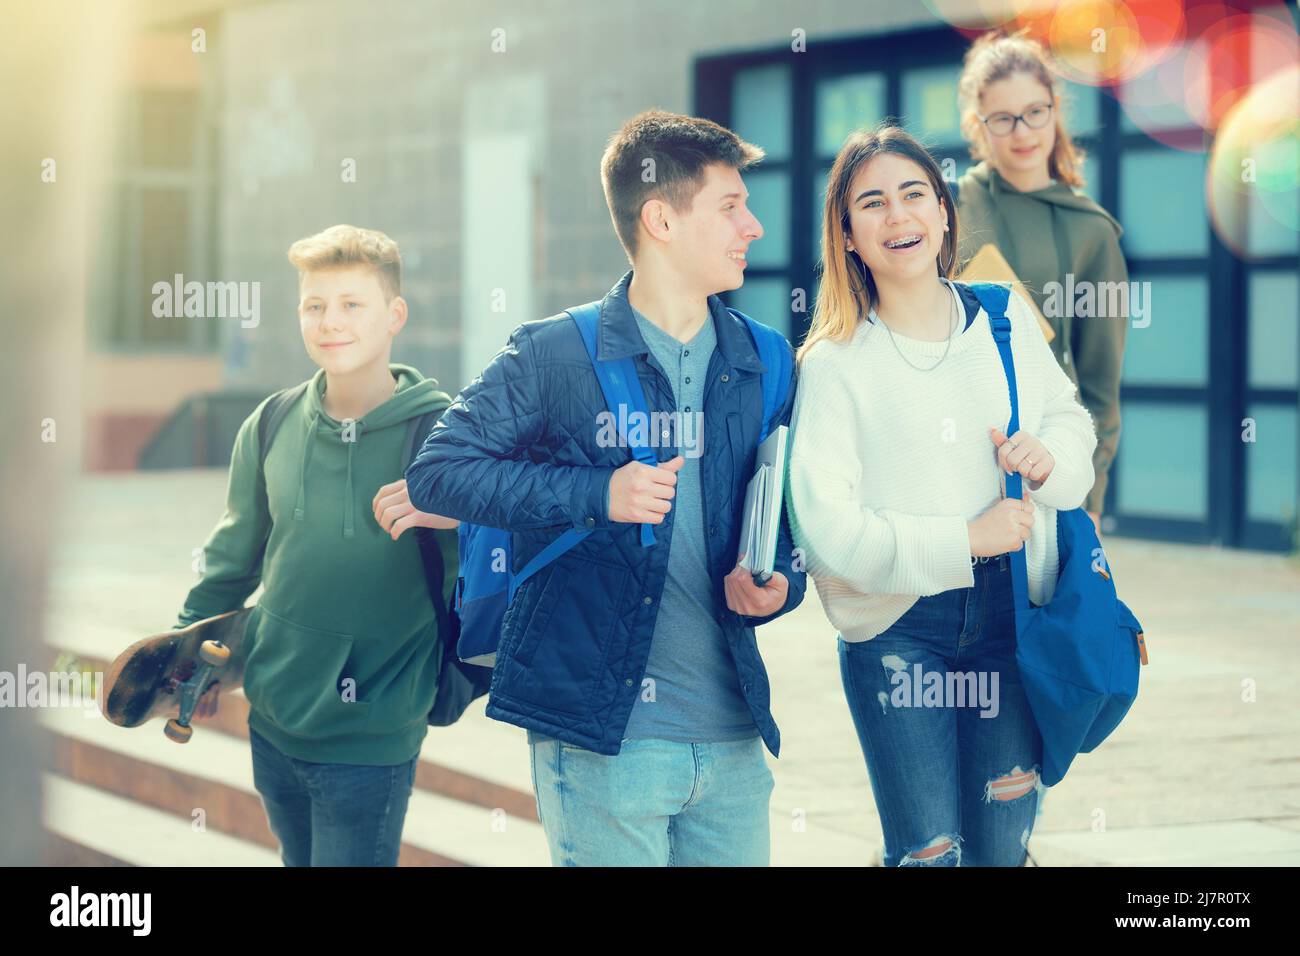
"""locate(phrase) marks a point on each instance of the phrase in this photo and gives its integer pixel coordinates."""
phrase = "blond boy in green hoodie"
(343, 647)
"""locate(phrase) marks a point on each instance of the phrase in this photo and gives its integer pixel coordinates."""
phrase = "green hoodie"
(1045, 234)
(342, 650)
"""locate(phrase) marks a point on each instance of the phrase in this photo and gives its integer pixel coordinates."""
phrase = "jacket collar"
(619, 336)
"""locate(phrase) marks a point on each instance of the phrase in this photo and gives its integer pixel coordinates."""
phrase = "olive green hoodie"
(343, 651)
(1046, 234)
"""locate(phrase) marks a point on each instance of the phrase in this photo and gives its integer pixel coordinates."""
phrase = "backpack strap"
(430, 543)
(273, 412)
(622, 389)
(994, 299)
(774, 353)
(417, 432)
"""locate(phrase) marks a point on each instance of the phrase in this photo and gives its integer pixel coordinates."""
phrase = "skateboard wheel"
(178, 732)
(214, 653)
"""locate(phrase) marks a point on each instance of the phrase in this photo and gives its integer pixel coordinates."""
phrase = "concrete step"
(476, 760)
(479, 763)
(211, 779)
(133, 833)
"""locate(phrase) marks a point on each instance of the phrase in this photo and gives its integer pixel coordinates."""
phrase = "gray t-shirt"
(691, 692)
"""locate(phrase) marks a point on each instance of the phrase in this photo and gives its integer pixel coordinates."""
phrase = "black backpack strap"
(459, 684)
(273, 412)
(416, 432)
(429, 538)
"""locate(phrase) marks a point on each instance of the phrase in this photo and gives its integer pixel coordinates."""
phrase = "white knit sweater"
(889, 463)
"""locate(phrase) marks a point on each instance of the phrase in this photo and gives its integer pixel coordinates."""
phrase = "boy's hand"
(643, 495)
(395, 513)
(206, 705)
(1023, 453)
(747, 598)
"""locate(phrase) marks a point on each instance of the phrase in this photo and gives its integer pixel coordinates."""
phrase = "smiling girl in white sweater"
(896, 502)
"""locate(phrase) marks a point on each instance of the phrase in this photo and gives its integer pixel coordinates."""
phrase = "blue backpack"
(486, 585)
(1079, 655)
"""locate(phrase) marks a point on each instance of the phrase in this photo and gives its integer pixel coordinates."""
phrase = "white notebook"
(763, 500)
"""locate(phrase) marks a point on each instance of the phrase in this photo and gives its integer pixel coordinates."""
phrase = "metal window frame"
(1226, 394)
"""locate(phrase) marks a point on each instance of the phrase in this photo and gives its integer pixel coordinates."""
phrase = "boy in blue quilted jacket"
(635, 669)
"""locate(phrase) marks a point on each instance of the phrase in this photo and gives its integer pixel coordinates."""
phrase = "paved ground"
(1204, 771)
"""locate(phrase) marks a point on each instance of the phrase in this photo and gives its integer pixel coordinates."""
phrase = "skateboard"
(165, 675)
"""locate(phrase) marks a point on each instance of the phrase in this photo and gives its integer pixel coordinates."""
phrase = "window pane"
(1092, 177)
(930, 104)
(1271, 465)
(767, 300)
(760, 113)
(769, 200)
(846, 103)
(1274, 343)
(1267, 232)
(1162, 203)
(818, 212)
(1146, 103)
(1161, 463)
(163, 251)
(1169, 343)
(1082, 108)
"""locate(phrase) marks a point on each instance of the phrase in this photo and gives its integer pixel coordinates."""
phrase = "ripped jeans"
(951, 746)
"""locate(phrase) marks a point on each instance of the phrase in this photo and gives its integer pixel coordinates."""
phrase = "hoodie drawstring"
(300, 508)
(347, 494)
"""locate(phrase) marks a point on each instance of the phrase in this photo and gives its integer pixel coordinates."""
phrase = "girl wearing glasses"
(1022, 196)
(896, 504)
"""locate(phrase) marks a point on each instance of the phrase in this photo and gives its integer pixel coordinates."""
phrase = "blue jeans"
(330, 814)
(658, 803)
(950, 742)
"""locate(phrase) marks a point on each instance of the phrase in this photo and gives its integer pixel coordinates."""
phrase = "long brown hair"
(848, 291)
(995, 56)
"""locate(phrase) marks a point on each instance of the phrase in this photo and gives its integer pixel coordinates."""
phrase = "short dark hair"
(675, 150)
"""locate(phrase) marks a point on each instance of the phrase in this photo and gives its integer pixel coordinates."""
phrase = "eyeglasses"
(1004, 124)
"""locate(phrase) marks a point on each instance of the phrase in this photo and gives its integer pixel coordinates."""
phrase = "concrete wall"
(402, 88)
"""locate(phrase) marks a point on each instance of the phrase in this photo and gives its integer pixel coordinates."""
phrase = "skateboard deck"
(165, 675)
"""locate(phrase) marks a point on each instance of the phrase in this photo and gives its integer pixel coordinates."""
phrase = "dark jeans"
(950, 742)
(329, 814)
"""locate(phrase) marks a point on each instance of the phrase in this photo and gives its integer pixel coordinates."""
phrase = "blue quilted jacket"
(518, 450)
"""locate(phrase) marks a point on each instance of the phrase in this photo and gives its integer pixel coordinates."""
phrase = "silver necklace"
(931, 368)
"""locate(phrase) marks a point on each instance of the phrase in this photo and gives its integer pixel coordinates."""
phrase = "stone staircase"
(116, 796)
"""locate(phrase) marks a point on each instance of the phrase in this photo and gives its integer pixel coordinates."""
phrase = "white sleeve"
(874, 552)
(1066, 428)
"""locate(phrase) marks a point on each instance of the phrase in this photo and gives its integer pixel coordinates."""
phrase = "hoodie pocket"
(295, 677)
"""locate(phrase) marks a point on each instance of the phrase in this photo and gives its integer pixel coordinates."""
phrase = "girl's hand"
(1023, 453)
(1002, 528)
